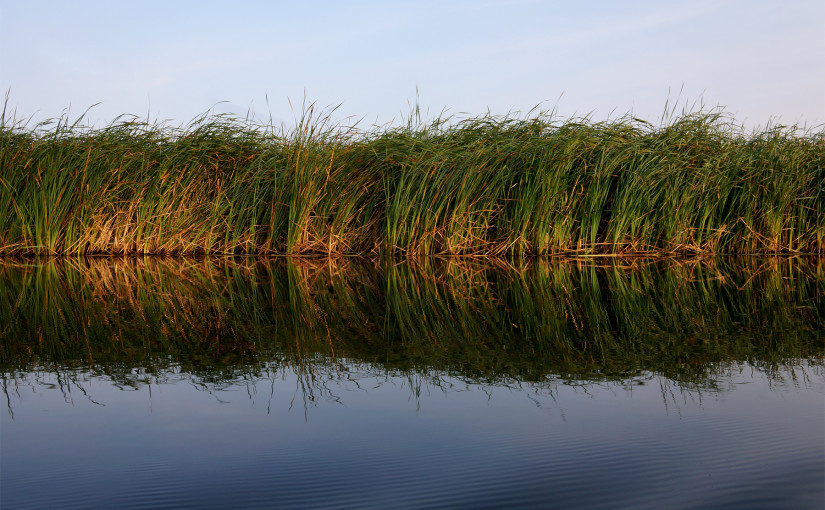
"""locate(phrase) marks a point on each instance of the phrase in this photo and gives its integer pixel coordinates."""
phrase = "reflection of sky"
(757, 58)
(754, 441)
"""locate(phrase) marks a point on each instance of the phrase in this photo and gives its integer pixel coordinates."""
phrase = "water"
(443, 384)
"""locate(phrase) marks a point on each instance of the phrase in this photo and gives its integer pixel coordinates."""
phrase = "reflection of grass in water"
(486, 322)
(585, 320)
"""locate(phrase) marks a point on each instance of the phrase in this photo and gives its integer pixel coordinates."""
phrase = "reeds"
(503, 186)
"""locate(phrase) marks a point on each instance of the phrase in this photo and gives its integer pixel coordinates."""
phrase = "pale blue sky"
(761, 60)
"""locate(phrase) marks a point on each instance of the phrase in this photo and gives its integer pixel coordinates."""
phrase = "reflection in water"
(219, 322)
(439, 383)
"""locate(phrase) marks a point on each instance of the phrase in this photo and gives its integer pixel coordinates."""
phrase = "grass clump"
(503, 186)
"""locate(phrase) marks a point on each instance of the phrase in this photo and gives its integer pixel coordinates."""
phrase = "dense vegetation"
(481, 186)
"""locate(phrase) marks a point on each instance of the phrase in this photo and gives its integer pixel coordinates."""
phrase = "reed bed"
(503, 186)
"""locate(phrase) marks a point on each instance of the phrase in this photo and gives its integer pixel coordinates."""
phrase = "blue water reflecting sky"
(367, 439)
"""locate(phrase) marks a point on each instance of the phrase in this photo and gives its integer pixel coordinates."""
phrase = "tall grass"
(490, 185)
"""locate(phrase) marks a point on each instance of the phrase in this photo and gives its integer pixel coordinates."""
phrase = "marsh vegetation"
(505, 186)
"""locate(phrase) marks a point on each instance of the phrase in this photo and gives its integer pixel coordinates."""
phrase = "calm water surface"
(238, 384)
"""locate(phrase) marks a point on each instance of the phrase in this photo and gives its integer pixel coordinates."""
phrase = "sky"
(760, 61)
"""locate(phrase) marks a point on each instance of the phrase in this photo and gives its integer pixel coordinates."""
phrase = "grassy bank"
(481, 186)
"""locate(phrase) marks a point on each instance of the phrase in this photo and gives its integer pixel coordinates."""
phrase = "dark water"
(182, 383)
